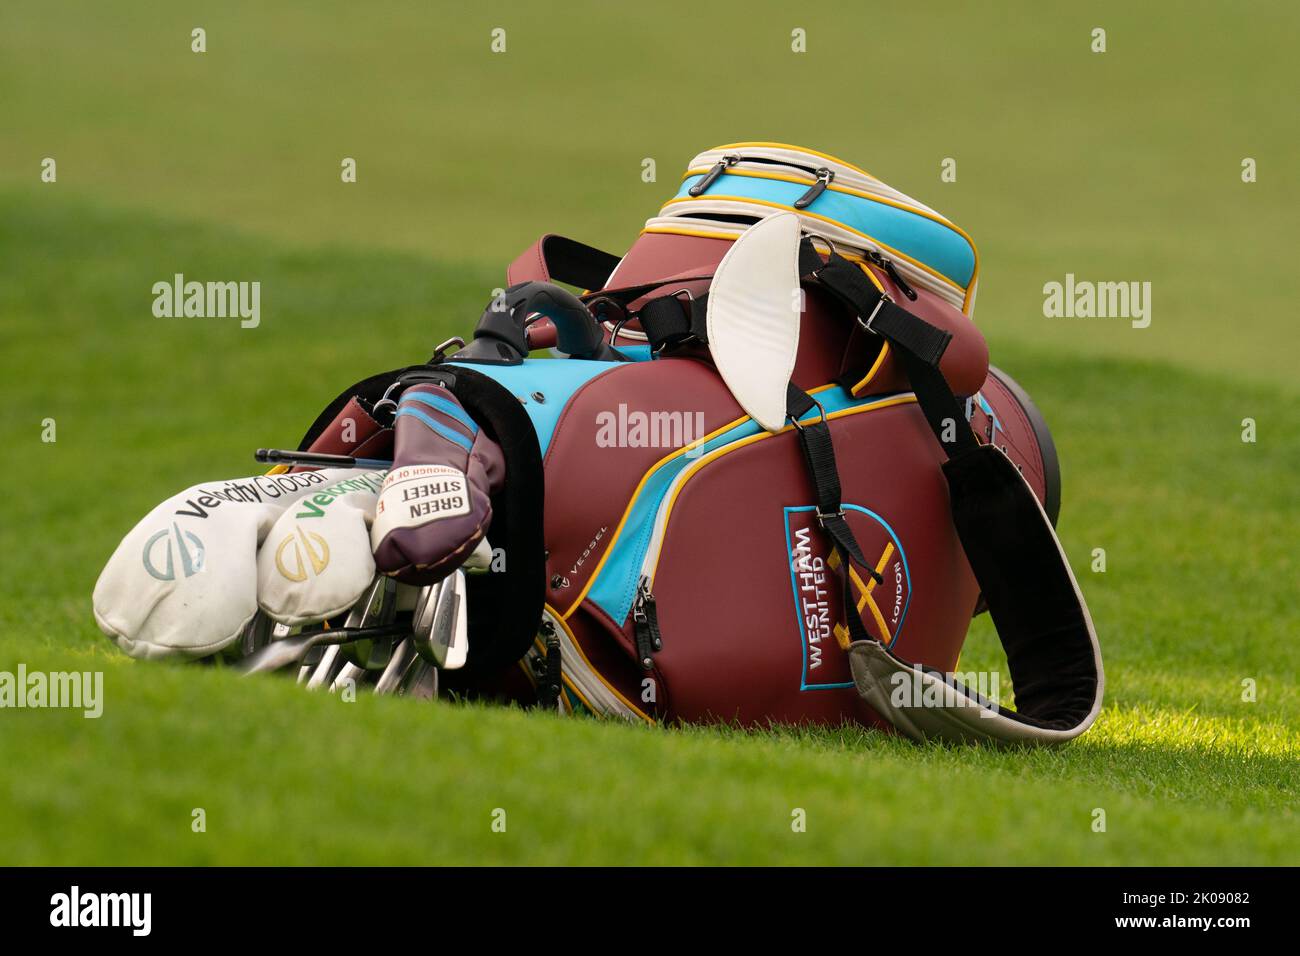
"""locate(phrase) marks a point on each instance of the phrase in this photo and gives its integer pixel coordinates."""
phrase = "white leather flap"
(753, 317)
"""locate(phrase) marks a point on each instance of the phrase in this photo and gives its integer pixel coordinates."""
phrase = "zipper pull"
(893, 273)
(711, 177)
(824, 177)
(899, 281)
(645, 624)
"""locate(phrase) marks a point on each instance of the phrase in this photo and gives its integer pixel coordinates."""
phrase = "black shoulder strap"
(819, 455)
(671, 319)
(1026, 580)
(1035, 603)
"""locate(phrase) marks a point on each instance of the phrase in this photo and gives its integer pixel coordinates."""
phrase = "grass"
(1197, 596)
(1123, 165)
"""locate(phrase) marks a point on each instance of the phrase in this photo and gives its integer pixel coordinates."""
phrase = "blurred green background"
(1123, 165)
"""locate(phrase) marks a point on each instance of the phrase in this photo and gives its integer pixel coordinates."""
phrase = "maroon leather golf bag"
(770, 475)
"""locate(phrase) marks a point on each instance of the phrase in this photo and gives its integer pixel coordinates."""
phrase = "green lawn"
(1123, 165)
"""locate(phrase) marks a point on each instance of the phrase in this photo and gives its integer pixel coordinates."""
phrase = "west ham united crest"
(816, 573)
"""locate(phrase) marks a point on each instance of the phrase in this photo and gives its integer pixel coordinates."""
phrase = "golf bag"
(769, 476)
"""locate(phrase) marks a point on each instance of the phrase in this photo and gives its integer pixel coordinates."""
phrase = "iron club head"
(450, 627)
(377, 608)
(426, 607)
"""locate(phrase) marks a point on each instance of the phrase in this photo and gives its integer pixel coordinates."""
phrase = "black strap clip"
(798, 425)
(824, 516)
(870, 319)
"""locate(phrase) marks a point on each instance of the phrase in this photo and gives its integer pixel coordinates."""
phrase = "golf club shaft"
(281, 456)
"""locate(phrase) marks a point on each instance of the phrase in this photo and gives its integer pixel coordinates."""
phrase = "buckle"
(820, 407)
(880, 304)
(822, 517)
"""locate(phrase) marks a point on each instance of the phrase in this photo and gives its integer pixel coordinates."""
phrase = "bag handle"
(557, 258)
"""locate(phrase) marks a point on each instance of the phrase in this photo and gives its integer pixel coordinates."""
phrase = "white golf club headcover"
(183, 582)
(316, 561)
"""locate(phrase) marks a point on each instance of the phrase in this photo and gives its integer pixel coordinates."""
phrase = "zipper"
(949, 293)
(711, 177)
(844, 174)
(824, 177)
(825, 170)
(586, 683)
(888, 266)
(645, 623)
(814, 171)
(794, 159)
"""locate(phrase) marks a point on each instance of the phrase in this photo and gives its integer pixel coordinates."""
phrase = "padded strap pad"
(753, 317)
(1040, 614)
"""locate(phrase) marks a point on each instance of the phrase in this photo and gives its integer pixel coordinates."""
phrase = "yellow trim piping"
(896, 253)
(599, 676)
(609, 549)
(731, 237)
(595, 572)
(697, 233)
(681, 480)
(871, 372)
(799, 149)
(848, 191)
(862, 264)
(835, 159)
(884, 346)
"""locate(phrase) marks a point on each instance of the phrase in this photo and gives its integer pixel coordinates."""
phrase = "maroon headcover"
(435, 505)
